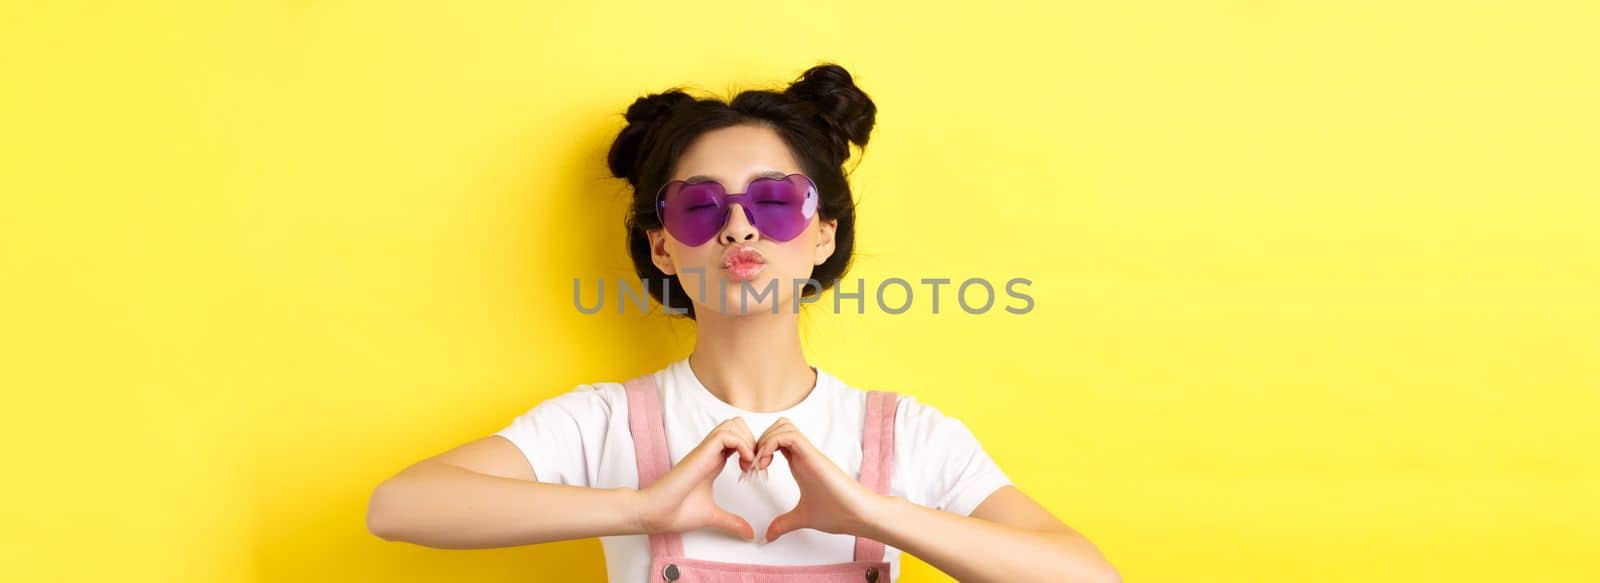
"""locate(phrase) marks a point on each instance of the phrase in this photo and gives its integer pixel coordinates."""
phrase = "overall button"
(872, 575)
(671, 572)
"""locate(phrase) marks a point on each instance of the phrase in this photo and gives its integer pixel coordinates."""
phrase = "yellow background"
(1315, 282)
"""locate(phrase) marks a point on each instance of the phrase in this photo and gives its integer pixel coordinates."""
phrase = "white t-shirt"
(581, 438)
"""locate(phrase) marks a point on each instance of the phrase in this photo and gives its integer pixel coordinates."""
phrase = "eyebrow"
(703, 178)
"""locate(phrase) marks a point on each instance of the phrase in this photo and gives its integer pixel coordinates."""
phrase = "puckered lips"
(743, 263)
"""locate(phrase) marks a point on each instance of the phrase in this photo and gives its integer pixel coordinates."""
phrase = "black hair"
(818, 116)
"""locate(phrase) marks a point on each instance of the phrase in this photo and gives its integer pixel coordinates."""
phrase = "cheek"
(691, 256)
(796, 255)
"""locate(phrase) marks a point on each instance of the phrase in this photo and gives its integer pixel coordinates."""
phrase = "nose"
(739, 227)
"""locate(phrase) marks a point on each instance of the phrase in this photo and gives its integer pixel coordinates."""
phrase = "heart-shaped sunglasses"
(780, 208)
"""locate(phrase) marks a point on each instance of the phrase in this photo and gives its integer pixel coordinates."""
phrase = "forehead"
(735, 155)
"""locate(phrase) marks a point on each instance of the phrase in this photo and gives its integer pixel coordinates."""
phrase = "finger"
(731, 439)
(733, 523)
(778, 425)
(739, 426)
(724, 441)
(783, 524)
(768, 448)
(764, 447)
(743, 427)
(774, 442)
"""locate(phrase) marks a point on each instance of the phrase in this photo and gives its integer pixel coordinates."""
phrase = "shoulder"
(597, 400)
(920, 420)
(563, 436)
(601, 394)
(948, 468)
(920, 427)
(911, 413)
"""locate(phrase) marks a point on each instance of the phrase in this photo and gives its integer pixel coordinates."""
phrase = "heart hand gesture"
(681, 499)
(830, 500)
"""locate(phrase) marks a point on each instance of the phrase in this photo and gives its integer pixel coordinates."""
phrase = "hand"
(681, 499)
(830, 500)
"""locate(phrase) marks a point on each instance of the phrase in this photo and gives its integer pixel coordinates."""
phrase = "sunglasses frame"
(726, 203)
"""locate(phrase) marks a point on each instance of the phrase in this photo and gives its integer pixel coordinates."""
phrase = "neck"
(753, 361)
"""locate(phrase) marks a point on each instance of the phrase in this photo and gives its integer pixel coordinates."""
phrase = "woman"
(733, 203)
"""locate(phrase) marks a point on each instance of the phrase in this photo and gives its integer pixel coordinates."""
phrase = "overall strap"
(877, 458)
(650, 450)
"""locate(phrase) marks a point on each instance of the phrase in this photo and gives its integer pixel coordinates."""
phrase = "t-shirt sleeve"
(564, 436)
(948, 469)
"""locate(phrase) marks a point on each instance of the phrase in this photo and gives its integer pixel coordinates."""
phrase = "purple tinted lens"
(782, 208)
(693, 212)
(779, 208)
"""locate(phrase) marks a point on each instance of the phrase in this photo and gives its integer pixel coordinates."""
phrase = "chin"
(752, 305)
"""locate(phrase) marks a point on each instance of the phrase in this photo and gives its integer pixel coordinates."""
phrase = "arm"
(483, 494)
(1009, 537)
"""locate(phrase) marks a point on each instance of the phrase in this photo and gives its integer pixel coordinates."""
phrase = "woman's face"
(734, 156)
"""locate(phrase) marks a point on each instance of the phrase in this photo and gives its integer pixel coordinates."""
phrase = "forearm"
(446, 506)
(976, 550)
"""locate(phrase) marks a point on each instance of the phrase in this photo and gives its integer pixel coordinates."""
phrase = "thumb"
(728, 521)
(783, 524)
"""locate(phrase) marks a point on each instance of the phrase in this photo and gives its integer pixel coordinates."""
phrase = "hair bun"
(846, 110)
(632, 142)
(648, 109)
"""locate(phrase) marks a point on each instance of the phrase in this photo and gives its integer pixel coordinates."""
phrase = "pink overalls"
(666, 550)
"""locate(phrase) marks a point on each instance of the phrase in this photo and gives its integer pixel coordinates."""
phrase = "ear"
(825, 231)
(658, 251)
